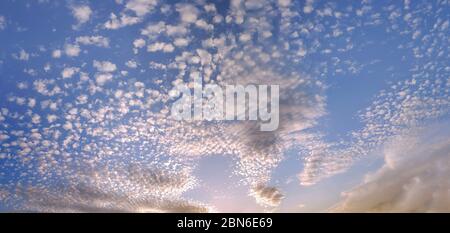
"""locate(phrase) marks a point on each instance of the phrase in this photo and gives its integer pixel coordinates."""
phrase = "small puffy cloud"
(22, 85)
(188, 13)
(159, 66)
(244, 37)
(105, 66)
(101, 79)
(308, 9)
(3, 137)
(139, 43)
(160, 46)
(154, 29)
(72, 50)
(414, 177)
(284, 3)
(155, 47)
(56, 53)
(131, 64)
(204, 25)
(23, 55)
(51, 118)
(68, 72)
(31, 72)
(47, 67)
(181, 42)
(81, 13)
(168, 48)
(99, 41)
(36, 119)
(141, 7)
(67, 126)
(31, 102)
(210, 8)
(115, 22)
(177, 30)
(254, 4)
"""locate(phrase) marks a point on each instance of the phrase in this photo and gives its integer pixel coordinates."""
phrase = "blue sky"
(85, 106)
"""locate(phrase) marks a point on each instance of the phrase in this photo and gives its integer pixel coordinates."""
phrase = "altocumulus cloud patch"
(86, 96)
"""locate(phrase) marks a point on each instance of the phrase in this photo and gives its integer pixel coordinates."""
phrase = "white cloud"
(56, 53)
(254, 4)
(188, 13)
(101, 79)
(168, 48)
(160, 46)
(3, 137)
(72, 50)
(68, 72)
(47, 67)
(31, 102)
(201, 23)
(141, 7)
(68, 126)
(23, 55)
(181, 42)
(211, 8)
(155, 65)
(93, 40)
(154, 29)
(139, 43)
(402, 106)
(284, 3)
(81, 13)
(22, 85)
(51, 118)
(131, 64)
(308, 8)
(414, 177)
(105, 66)
(31, 72)
(155, 47)
(244, 37)
(36, 119)
(115, 22)
(177, 30)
